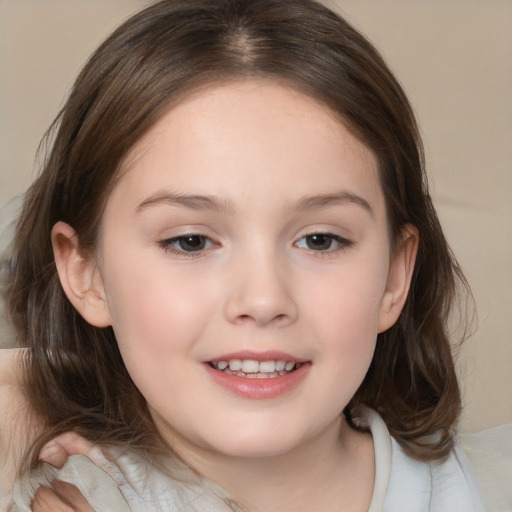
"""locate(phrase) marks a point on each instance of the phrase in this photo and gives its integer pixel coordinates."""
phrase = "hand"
(56, 451)
(62, 496)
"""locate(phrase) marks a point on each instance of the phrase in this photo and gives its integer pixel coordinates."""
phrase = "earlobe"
(79, 276)
(399, 278)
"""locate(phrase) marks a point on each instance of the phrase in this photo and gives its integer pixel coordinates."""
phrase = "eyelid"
(343, 242)
(168, 245)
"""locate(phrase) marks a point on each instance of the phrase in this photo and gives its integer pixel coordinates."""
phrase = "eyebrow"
(207, 202)
(194, 202)
(327, 200)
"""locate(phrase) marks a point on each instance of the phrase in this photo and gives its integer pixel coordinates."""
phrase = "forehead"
(248, 137)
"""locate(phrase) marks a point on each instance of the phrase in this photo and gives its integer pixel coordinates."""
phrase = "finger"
(64, 497)
(53, 454)
(71, 496)
(46, 500)
(57, 450)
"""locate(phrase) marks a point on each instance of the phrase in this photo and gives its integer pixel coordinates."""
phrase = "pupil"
(319, 242)
(192, 243)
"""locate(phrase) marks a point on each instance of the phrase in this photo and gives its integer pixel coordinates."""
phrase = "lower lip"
(259, 389)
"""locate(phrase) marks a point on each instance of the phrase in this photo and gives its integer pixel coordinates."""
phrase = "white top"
(403, 484)
(129, 484)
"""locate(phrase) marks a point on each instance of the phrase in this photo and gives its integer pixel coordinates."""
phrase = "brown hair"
(76, 378)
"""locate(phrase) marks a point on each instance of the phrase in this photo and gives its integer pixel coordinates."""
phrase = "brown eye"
(323, 242)
(191, 243)
(187, 244)
(319, 242)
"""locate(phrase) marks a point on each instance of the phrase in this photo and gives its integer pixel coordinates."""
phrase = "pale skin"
(249, 219)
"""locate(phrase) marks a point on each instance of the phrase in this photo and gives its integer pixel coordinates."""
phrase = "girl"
(231, 281)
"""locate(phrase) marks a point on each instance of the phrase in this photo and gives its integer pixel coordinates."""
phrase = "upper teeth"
(252, 366)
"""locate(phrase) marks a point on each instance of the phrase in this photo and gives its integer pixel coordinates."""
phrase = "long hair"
(76, 378)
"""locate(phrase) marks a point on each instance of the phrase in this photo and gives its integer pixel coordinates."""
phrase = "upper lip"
(268, 355)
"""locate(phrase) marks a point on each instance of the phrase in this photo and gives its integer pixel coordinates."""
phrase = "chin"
(260, 445)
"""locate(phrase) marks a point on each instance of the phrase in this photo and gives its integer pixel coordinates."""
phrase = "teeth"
(235, 365)
(250, 366)
(280, 365)
(256, 370)
(267, 366)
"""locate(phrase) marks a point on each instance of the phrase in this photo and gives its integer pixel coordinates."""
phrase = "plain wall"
(454, 59)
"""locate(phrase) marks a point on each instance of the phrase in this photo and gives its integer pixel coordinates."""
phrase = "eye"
(187, 245)
(323, 242)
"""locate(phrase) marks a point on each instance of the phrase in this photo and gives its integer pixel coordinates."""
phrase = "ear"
(399, 277)
(79, 276)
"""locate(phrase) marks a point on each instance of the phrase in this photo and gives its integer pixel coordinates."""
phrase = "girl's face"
(248, 233)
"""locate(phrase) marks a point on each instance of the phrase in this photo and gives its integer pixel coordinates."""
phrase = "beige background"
(454, 58)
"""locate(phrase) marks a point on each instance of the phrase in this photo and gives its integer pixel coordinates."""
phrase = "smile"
(258, 376)
(252, 369)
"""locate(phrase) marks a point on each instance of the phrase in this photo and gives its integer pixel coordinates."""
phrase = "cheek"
(156, 317)
(350, 299)
(346, 309)
(153, 309)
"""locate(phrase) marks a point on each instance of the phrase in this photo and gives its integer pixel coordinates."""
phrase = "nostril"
(261, 319)
(244, 319)
(252, 307)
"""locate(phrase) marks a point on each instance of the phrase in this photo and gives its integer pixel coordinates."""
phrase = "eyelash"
(342, 243)
(170, 244)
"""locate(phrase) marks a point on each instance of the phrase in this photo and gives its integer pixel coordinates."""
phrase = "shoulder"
(448, 485)
(16, 425)
(490, 453)
(12, 401)
(403, 484)
(10, 365)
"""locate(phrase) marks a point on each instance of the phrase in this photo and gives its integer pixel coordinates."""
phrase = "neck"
(332, 470)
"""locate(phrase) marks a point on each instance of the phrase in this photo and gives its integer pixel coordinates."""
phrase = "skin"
(16, 424)
(272, 159)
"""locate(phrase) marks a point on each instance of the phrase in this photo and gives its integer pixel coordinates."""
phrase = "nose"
(260, 292)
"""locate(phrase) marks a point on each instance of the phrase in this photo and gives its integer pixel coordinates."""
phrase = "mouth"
(253, 369)
(258, 376)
